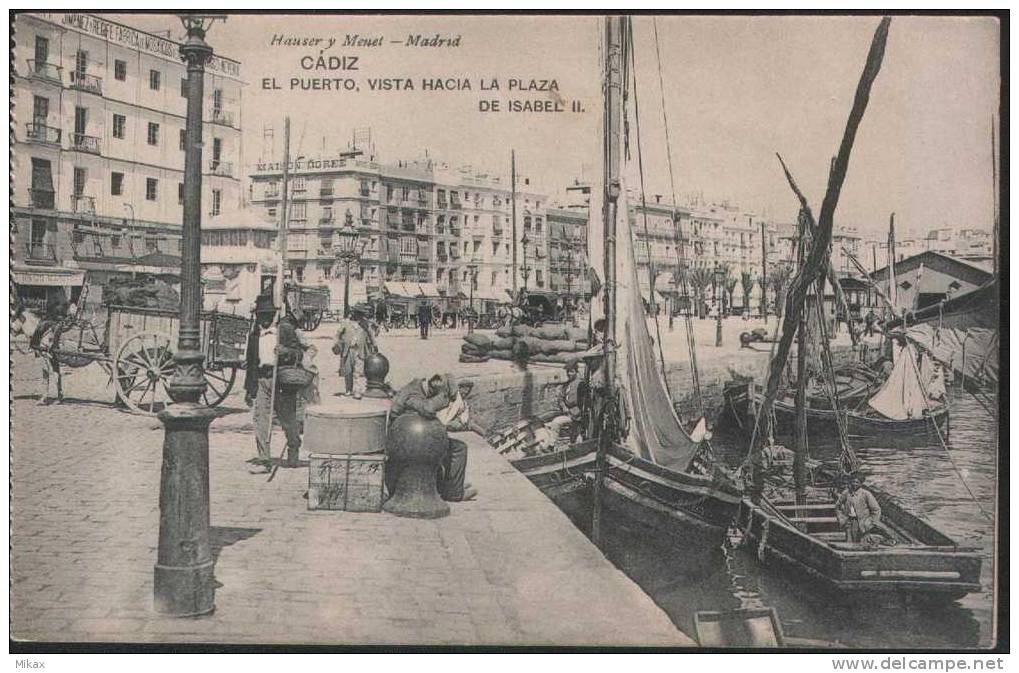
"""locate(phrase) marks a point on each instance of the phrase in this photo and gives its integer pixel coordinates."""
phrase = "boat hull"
(681, 504)
(822, 427)
(936, 570)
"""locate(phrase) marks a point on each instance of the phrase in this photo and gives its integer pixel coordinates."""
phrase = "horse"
(28, 323)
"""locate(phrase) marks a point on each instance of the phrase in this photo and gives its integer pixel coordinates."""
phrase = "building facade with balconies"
(424, 224)
(99, 114)
(568, 262)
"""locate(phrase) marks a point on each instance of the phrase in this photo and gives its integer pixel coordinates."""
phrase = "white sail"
(901, 397)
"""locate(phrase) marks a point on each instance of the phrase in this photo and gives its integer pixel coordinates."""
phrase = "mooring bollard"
(414, 449)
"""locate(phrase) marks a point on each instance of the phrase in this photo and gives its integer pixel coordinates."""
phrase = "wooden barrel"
(344, 425)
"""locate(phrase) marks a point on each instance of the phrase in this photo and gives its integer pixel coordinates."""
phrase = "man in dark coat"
(268, 342)
(424, 318)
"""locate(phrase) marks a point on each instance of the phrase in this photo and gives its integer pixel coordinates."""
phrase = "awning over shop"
(491, 295)
(402, 289)
(428, 289)
(412, 289)
(50, 277)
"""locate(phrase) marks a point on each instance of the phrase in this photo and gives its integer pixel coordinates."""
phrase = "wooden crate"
(346, 482)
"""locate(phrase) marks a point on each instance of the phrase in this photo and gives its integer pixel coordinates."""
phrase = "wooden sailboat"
(864, 425)
(797, 526)
(642, 463)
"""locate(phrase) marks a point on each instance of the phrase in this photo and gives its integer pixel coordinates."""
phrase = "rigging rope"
(691, 343)
(941, 439)
(643, 203)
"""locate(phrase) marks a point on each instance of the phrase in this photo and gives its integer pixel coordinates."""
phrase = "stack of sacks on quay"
(550, 343)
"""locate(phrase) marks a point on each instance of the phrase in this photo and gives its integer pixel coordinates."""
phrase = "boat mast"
(764, 274)
(284, 219)
(996, 197)
(611, 157)
(800, 457)
(816, 261)
(513, 215)
(892, 294)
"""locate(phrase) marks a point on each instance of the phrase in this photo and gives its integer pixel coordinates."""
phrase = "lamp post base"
(184, 591)
(182, 581)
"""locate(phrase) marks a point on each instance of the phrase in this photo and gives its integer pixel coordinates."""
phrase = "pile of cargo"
(550, 343)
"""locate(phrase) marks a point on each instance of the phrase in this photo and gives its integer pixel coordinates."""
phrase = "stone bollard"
(415, 449)
(376, 367)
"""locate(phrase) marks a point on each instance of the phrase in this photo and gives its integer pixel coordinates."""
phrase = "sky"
(737, 90)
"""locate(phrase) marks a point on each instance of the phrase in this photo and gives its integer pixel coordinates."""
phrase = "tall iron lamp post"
(472, 268)
(350, 251)
(182, 578)
(719, 289)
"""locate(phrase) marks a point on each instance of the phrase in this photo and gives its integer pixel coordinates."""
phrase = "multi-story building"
(567, 250)
(428, 227)
(98, 137)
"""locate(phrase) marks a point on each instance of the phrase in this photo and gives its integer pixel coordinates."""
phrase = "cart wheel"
(218, 385)
(316, 320)
(143, 366)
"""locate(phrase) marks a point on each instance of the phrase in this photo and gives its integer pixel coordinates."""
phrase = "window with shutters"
(154, 78)
(153, 137)
(80, 175)
(120, 70)
(119, 126)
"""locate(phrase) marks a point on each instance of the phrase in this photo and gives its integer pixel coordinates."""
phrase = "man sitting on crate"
(271, 341)
(439, 398)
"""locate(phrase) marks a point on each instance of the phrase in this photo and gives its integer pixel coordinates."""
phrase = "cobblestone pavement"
(508, 568)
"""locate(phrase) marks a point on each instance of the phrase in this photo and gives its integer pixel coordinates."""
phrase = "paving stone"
(85, 524)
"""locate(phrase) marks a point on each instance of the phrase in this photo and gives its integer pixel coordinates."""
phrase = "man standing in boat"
(857, 510)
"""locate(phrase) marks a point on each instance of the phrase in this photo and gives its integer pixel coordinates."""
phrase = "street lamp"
(719, 281)
(524, 269)
(472, 267)
(182, 582)
(350, 250)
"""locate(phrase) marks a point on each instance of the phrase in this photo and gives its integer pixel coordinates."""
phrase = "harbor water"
(929, 481)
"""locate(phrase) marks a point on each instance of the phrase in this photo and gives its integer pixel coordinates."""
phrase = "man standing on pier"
(351, 344)
(424, 318)
(271, 343)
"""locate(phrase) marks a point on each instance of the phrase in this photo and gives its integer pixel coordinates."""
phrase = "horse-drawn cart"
(136, 348)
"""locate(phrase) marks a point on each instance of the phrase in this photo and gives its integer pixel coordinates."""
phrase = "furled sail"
(655, 430)
(901, 397)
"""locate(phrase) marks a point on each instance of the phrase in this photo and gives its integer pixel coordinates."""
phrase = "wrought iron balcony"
(83, 204)
(42, 70)
(85, 82)
(41, 198)
(83, 143)
(221, 168)
(41, 251)
(220, 116)
(39, 132)
(325, 191)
